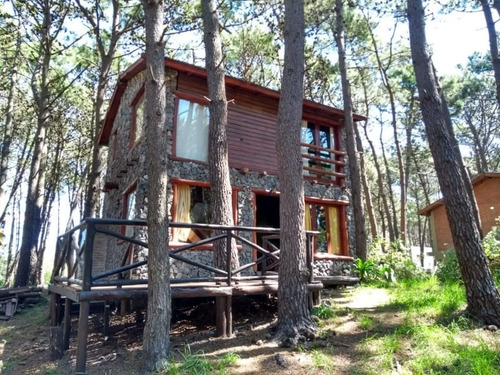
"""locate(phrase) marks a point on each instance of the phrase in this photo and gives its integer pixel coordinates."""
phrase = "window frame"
(342, 228)
(173, 209)
(193, 99)
(336, 145)
(138, 100)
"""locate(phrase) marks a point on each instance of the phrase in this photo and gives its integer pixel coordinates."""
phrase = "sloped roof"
(140, 65)
(426, 211)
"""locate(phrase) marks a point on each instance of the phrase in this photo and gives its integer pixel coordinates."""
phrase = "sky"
(454, 37)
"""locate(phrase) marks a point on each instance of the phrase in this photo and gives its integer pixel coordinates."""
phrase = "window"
(192, 205)
(191, 137)
(137, 125)
(326, 220)
(319, 155)
(129, 212)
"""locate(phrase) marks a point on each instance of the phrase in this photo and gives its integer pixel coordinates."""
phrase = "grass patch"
(365, 322)
(199, 364)
(321, 361)
(422, 344)
(427, 297)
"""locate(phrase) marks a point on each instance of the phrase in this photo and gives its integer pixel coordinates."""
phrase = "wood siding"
(251, 125)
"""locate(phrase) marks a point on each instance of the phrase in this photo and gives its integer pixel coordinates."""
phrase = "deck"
(80, 275)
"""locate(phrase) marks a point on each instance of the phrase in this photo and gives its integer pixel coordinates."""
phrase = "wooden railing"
(324, 164)
(75, 253)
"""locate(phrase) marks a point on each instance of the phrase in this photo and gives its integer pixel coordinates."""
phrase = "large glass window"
(191, 136)
(192, 206)
(324, 219)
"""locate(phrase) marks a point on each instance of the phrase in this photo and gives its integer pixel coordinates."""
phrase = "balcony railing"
(323, 164)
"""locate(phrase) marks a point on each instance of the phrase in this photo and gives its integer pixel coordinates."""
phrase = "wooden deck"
(78, 280)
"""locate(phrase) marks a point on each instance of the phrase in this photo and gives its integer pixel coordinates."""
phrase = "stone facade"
(127, 166)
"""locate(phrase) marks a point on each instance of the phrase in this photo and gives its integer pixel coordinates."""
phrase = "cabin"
(252, 132)
(486, 187)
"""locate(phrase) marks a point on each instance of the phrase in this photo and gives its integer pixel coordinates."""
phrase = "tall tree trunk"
(492, 35)
(483, 298)
(156, 340)
(366, 187)
(402, 179)
(26, 268)
(106, 47)
(393, 218)
(293, 313)
(218, 164)
(354, 169)
(8, 130)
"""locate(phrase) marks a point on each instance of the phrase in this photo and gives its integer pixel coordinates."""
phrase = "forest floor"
(361, 314)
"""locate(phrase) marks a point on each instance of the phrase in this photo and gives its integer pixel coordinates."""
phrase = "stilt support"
(83, 330)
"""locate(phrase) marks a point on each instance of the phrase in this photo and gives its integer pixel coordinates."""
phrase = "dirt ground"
(192, 331)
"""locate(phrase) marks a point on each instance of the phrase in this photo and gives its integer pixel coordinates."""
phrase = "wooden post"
(56, 345)
(106, 319)
(229, 316)
(83, 330)
(83, 319)
(66, 324)
(220, 319)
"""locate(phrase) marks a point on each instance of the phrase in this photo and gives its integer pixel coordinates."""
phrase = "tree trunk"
(156, 340)
(8, 130)
(354, 169)
(26, 268)
(366, 186)
(293, 313)
(483, 298)
(492, 34)
(393, 216)
(91, 207)
(218, 164)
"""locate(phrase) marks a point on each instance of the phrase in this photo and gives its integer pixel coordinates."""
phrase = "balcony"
(323, 164)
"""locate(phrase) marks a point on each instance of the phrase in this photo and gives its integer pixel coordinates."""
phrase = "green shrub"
(448, 269)
(366, 270)
(395, 263)
(491, 245)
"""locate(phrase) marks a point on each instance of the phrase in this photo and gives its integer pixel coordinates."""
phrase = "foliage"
(199, 364)
(491, 244)
(448, 268)
(365, 270)
(395, 263)
(323, 311)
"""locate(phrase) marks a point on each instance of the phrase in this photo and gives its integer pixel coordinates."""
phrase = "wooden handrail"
(325, 172)
(330, 150)
(324, 160)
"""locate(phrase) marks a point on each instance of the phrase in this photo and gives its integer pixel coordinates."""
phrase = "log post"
(220, 319)
(66, 324)
(83, 330)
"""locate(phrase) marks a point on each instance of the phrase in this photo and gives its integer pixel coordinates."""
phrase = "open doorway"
(267, 214)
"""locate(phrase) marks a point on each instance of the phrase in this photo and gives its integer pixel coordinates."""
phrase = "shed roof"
(193, 70)
(426, 211)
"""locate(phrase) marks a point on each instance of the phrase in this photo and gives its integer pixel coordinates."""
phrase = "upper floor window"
(191, 133)
(137, 125)
(320, 154)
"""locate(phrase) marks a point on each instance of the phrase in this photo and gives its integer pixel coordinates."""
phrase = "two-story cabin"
(252, 117)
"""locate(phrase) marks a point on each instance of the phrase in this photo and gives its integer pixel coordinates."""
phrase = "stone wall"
(129, 168)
